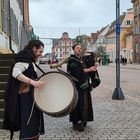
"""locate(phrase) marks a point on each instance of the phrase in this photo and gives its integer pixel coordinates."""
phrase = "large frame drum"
(58, 96)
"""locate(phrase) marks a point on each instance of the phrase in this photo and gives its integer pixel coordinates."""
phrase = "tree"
(82, 40)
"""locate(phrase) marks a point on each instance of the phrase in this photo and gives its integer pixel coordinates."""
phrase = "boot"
(75, 125)
(80, 126)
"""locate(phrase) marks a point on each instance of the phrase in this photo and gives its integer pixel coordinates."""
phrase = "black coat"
(83, 110)
(18, 107)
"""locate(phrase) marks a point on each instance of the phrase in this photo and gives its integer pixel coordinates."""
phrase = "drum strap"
(31, 112)
(72, 77)
(39, 68)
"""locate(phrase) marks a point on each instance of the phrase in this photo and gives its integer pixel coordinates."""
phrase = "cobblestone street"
(113, 119)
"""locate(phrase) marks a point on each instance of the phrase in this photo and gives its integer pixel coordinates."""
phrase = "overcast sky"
(50, 18)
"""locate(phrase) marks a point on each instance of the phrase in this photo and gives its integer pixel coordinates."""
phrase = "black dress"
(83, 110)
(18, 107)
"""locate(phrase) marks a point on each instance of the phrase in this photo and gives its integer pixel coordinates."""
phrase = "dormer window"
(128, 22)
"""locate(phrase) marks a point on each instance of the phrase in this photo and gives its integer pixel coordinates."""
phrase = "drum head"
(56, 94)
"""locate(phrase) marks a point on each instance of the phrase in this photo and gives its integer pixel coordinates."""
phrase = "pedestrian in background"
(125, 61)
(99, 61)
(122, 60)
(20, 112)
(83, 111)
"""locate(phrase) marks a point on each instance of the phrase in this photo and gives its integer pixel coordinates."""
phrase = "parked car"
(42, 61)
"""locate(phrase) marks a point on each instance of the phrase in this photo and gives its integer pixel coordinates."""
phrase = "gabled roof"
(102, 31)
(112, 27)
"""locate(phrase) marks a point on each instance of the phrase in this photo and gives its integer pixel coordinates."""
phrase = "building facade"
(14, 25)
(100, 43)
(126, 38)
(136, 7)
(62, 48)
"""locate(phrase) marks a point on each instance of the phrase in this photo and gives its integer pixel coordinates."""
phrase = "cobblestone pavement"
(113, 120)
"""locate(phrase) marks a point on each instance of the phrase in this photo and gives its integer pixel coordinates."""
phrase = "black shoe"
(74, 125)
(85, 124)
(80, 126)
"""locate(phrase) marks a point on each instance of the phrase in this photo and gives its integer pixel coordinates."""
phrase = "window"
(128, 39)
(128, 22)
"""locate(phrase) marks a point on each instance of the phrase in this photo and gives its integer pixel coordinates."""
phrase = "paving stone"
(113, 119)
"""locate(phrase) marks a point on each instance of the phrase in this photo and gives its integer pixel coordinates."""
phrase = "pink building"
(62, 48)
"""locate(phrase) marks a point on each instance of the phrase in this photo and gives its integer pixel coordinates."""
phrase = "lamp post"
(118, 94)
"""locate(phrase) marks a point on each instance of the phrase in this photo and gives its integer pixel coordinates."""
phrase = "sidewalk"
(127, 66)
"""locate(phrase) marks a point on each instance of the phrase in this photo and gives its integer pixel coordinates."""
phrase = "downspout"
(10, 40)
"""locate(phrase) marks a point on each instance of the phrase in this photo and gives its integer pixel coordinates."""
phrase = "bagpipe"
(88, 61)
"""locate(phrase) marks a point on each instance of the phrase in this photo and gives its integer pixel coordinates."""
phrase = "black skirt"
(32, 123)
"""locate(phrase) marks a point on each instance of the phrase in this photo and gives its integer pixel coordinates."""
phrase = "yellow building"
(126, 38)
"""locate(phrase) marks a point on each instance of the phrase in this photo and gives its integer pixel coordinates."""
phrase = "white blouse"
(20, 67)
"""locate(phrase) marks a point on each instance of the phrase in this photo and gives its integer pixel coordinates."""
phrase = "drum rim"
(70, 106)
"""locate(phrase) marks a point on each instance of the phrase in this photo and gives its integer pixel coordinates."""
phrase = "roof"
(112, 27)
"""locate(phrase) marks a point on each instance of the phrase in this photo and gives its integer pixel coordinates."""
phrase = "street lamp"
(118, 94)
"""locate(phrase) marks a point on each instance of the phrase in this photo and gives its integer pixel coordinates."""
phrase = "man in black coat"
(83, 111)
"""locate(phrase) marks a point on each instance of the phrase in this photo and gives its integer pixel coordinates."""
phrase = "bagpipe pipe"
(60, 63)
(88, 61)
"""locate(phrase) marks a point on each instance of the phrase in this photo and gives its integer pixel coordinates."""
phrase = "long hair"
(33, 43)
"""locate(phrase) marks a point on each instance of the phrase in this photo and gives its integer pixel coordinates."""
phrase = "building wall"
(11, 26)
(7, 16)
(111, 46)
(130, 48)
(0, 16)
(126, 38)
(4, 43)
(136, 6)
(26, 14)
(17, 12)
(3, 37)
(62, 47)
